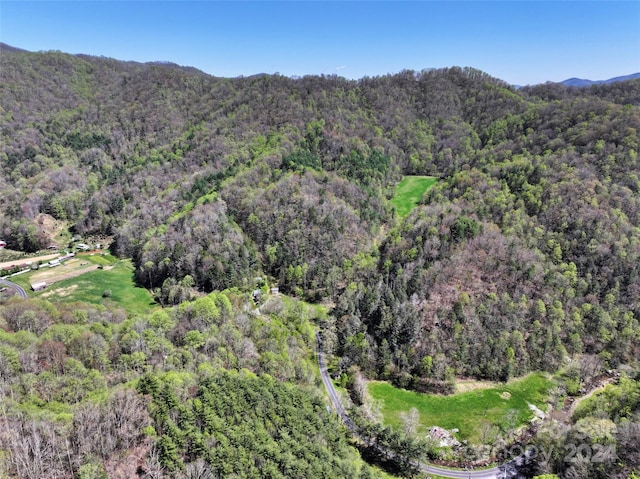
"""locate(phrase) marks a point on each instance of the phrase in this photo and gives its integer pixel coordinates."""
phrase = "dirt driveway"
(35, 259)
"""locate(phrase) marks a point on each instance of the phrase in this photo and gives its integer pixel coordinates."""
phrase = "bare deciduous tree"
(410, 421)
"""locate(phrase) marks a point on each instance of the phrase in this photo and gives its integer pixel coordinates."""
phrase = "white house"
(2, 244)
(39, 286)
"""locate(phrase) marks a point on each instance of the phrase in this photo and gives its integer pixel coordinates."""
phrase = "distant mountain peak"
(581, 82)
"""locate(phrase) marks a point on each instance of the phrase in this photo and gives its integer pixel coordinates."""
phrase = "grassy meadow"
(466, 411)
(111, 284)
(409, 193)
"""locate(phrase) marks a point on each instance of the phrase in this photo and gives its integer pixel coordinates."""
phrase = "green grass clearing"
(105, 259)
(117, 277)
(409, 193)
(465, 411)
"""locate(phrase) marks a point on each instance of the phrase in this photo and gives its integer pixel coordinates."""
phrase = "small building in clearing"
(2, 244)
(39, 286)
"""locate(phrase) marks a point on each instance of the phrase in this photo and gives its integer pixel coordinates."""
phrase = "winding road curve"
(498, 472)
(18, 289)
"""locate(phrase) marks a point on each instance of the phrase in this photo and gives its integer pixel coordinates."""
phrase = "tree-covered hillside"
(211, 387)
(524, 256)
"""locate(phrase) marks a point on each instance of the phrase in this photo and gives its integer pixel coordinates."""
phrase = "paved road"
(333, 394)
(493, 473)
(21, 292)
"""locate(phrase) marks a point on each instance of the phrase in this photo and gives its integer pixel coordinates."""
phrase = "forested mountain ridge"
(523, 256)
(185, 169)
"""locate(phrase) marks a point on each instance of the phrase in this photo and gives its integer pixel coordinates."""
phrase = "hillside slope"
(522, 257)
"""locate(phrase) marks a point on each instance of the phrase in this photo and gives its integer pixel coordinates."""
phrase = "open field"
(69, 269)
(467, 411)
(76, 266)
(409, 193)
(86, 278)
(91, 287)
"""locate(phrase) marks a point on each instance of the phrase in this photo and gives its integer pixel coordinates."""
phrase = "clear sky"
(521, 42)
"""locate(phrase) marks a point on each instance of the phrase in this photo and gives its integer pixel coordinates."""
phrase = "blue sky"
(522, 42)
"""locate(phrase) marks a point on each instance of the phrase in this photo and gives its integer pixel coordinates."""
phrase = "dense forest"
(90, 393)
(523, 257)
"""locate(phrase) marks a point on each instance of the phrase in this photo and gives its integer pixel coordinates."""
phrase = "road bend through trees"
(19, 290)
(499, 472)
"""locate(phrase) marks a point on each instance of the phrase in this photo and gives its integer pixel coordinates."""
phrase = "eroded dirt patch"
(60, 292)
